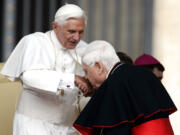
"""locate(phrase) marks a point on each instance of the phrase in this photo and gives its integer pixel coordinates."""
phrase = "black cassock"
(129, 97)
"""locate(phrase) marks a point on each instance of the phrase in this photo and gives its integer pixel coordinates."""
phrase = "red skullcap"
(146, 59)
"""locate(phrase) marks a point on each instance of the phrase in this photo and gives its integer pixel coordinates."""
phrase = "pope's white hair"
(69, 11)
(100, 51)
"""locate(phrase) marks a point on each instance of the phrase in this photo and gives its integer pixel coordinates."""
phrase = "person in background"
(149, 62)
(49, 68)
(124, 58)
(128, 99)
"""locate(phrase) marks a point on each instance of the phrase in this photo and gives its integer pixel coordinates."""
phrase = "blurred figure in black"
(124, 58)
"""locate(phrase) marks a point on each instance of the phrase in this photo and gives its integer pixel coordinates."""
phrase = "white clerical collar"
(109, 71)
(57, 44)
(113, 68)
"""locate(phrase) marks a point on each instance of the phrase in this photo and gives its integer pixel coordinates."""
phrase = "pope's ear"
(54, 26)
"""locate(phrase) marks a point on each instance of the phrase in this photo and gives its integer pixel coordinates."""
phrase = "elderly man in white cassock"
(49, 67)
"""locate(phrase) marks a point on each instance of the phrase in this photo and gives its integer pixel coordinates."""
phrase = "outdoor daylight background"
(132, 26)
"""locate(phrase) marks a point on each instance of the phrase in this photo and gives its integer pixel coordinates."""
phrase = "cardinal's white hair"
(100, 51)
(69, 11)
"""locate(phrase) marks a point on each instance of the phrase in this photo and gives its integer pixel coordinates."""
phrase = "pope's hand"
(84, 85)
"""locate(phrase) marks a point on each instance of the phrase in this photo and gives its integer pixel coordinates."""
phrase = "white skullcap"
(69, 11)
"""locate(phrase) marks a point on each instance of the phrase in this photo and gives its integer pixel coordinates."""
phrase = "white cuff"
(66, 81)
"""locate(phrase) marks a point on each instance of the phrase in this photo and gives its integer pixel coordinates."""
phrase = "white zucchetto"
(69, 11)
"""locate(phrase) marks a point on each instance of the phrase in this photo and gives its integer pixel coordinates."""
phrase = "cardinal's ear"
(100, 67)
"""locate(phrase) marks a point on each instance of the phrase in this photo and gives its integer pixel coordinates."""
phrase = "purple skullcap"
(146, 59)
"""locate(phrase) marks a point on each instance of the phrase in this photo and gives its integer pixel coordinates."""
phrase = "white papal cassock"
(49, 101)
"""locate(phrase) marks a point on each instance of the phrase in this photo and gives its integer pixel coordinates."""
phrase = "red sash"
(160, 126)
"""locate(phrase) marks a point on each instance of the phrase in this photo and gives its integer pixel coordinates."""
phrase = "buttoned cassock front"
(49, 100)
